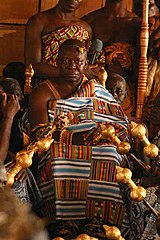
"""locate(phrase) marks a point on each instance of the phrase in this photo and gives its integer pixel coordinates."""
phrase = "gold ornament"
(124, 175)
(108, 133)
(112, 233)
(102, 77)
(29, 74)
(139, 131)
(41, 145)
(85, 237)
(23, 160)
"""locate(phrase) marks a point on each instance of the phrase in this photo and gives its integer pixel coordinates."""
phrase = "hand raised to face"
(10, 105)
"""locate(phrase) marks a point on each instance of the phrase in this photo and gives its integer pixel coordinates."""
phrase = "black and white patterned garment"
(150, 232)
(27, 191)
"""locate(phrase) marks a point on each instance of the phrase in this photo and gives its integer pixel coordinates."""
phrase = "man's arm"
(38, 105)
(33, 48)
(9, 109)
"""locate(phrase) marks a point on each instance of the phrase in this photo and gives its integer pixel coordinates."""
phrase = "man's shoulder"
(41, 89)
(41, 17)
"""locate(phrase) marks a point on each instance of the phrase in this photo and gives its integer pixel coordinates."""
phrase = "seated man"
(116, 85)
(77, 176)
(47, 30)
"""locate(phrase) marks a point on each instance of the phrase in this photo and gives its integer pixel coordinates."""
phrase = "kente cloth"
(78, 181)
(52, 41)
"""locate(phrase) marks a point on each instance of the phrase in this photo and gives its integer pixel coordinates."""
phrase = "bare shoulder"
(36, 22)
(40, 93)
(40, 19)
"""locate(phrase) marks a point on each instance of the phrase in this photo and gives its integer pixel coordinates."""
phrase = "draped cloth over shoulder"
(77, 180)
(52, 41)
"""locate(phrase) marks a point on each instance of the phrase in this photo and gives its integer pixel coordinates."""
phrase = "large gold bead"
(138, 194)
(137, 130)
(85, 237)
(112, 233)
(44, 144)
(10, 179)
(107, 131)
(123, 174)
(24, 158)
(123, 148)
(151, 151)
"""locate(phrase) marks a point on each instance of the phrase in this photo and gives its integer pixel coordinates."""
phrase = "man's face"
(118, 89)
(70, 5)
(72, 63)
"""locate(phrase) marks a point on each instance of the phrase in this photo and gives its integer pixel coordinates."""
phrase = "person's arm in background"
(9, 109)
(33, 49)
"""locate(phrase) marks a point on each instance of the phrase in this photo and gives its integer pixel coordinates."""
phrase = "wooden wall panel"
(11, 43)
(17, 11)
(48, 4)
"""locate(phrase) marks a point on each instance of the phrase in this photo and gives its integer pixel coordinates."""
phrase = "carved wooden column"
(143, 66)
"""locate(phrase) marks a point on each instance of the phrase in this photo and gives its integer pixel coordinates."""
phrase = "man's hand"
(9, 106)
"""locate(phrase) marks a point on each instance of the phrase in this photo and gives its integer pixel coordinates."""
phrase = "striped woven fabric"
(79, 181)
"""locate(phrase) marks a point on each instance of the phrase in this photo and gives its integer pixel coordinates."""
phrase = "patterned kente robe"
(77, 180)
